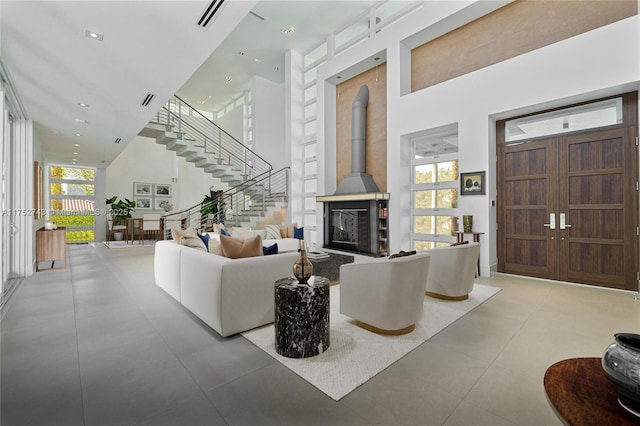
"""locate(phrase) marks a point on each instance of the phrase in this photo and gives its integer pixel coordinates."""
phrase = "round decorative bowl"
(621, 364)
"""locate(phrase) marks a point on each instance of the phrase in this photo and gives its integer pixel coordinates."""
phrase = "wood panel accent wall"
(517, 28)
(376, 138)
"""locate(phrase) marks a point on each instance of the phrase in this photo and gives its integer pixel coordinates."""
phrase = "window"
(72, 201)
(434, 189)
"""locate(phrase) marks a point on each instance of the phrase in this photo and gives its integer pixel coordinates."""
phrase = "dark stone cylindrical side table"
(301, 317)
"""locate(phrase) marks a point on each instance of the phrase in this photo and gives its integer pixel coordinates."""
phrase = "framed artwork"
(144, 203)
(162, 204)
(162, 190)
(472, 183)
(143, 189)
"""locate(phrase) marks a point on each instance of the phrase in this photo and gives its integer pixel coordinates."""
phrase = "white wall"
(268, 121)
(232, 122)
(143, 160)
(601, 62)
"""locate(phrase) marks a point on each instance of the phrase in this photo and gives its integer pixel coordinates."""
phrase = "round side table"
(301, 317)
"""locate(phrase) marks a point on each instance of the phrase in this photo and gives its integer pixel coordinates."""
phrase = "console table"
(51, 245)
(581, 394)
(301, 319)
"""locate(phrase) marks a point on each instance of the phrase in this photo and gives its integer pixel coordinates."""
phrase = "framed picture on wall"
(162, 190)
(143, 189)
(144, 203)
(472, 183)
(161, 203)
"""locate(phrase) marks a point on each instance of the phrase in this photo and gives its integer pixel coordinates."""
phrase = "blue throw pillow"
(205, 239)
(224, 232)
(298, 233)
(272, 249)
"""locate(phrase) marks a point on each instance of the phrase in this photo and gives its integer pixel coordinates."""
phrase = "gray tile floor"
(100, 344)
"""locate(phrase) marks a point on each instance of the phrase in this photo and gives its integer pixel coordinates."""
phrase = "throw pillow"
(224, 232)
(272, 249)
(215, 247)
(273, 231)
(188, 237)
(402, 253)
(205, 239)
(236, 249)
(286, 230)
(217, 227)
(241, 233)
(298, 233)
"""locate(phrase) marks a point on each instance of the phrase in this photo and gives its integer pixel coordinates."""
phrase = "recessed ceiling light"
(276, 68)
(241, 53)
(288, 31)
(209, 96)
(377, 58)
(80, 120)
(94, 35)
(83, 105)
(76, 144)
(75, 153)
(78, 134)
(201, 102)
(257, 60)
(75, 159)
(229, 78)
(338, 77)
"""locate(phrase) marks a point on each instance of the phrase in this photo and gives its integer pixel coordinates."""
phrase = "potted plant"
(120, 210)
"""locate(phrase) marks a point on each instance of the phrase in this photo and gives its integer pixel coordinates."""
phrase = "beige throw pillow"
(234, 248)
(272, 231)
(286, 230)
(188, 237)
(217, 227)
(241, 233)
(215, 247)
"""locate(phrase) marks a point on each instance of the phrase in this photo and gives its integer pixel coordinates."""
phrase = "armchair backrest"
(453, 266)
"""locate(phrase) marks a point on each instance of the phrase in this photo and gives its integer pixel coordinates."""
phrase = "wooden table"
(131, 222)
(476, 239)
(581, 394)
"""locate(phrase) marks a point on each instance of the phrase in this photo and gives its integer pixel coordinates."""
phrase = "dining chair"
(151, 223)
(112, 227)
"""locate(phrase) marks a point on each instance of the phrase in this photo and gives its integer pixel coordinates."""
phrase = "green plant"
(207, 206)
(120, 209)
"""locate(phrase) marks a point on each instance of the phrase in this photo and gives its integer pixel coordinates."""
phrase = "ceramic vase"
(302, 268)
(621, 364)
(467, 223)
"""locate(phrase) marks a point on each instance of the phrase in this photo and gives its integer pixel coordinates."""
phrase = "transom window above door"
(589, 116)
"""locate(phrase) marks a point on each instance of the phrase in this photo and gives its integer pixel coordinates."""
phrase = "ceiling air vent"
(118, 140)
(147, 99)
(209, 13)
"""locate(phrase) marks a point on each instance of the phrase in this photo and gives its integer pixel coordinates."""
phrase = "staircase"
(255, 190)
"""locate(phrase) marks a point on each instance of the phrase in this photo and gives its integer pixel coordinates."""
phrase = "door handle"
(552, 221)
(563, 224)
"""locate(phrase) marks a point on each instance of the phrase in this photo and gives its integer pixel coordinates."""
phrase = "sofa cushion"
(234, 248)
(188, 237)
(272, 249)
(286, 229)
(224, 232)
(273, 231)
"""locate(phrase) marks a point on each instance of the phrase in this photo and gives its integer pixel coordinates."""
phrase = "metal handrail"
(245, 199)
(192, 125)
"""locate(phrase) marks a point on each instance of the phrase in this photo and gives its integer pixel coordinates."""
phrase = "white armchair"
(452, 272)
(385, 295)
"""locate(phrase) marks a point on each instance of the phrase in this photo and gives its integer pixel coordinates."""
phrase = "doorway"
(568, 202)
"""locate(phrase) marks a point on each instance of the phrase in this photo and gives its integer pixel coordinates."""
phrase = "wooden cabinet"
(51, 246)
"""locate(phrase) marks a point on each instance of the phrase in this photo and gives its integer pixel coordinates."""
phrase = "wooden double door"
(568, 208)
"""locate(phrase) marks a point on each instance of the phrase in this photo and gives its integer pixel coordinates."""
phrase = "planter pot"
(621, 364)
(118, 236)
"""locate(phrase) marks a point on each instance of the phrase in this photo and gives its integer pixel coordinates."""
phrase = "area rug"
(356, 355)
(124, 244)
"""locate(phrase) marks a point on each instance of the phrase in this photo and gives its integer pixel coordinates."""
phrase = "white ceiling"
(148, 47)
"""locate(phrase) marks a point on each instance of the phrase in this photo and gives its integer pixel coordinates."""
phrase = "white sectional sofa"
(229, 295)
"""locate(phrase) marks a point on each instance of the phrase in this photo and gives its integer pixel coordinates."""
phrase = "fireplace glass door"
(350, 229)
